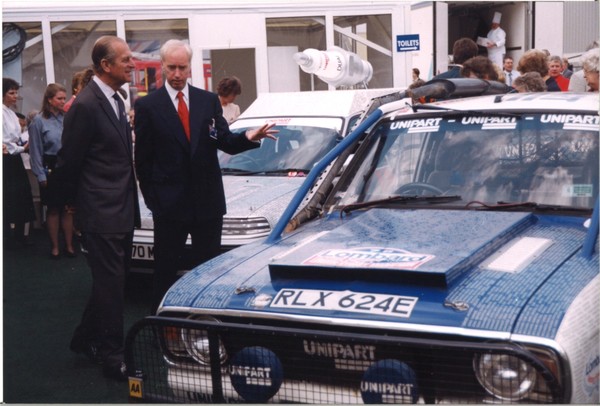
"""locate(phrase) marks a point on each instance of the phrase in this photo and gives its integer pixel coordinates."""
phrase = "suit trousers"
(102, 323)
(170, 237)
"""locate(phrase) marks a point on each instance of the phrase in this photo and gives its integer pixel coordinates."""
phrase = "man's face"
(176, 66)
(119, 70)
(508, 65)
(554, 68)
(495, 25)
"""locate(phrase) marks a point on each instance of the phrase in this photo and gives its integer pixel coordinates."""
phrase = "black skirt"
(51, 195)
(17, 200)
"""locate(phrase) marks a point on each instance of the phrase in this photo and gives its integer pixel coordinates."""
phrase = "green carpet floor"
(43, 300)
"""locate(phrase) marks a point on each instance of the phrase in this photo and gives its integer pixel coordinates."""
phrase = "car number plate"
(143, 251)
(345, 301)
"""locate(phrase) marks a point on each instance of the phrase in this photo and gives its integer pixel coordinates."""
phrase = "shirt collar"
(106, 89)
(173, 93)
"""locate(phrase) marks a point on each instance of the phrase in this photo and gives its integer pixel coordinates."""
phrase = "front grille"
(190, 361)
(253, 226)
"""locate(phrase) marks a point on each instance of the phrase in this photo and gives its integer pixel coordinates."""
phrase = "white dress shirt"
(509, 77)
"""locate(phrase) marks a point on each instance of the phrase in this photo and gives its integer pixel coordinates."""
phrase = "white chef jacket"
(496, 53)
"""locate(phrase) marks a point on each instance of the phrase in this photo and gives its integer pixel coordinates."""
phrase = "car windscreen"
(298, 147)
(550, 159)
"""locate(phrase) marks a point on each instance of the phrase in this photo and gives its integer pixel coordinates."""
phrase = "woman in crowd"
(479, 67)
(228, 89)
(45, 134)
(536, 60)
(590, 68)
(555, 67)
(17, 200)
(529, 82)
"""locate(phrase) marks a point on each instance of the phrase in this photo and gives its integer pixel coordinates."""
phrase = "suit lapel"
(195, 132)
(168, 111)
(107, 107)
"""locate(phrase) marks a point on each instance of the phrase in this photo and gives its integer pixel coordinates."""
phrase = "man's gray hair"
(173, 44)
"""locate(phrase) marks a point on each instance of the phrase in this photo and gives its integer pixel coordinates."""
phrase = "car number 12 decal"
(345, 301)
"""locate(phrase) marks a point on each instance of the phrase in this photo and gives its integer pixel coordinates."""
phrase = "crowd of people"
(82, 156)
(536, 71)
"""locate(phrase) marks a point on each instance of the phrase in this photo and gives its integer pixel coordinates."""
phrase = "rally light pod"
(256, 374)
(389, 381)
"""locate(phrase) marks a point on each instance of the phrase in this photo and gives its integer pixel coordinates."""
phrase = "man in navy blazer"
(95, 168)
(180, 177)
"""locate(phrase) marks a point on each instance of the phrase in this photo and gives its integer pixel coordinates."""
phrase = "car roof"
(332, 103)
(516, 102)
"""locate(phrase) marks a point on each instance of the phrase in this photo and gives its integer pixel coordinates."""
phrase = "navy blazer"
(95, 165)
(181, 179)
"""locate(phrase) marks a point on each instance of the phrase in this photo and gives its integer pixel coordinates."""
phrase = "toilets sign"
(408, 42)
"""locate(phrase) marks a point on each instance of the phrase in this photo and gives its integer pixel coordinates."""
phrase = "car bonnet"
(462, 269)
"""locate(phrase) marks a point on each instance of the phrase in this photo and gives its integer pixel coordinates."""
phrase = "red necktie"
(184, 115)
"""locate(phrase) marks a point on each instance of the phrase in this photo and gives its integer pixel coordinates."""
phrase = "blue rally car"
(454, 259)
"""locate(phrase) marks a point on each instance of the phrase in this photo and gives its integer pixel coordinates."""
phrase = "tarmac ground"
(43, 300)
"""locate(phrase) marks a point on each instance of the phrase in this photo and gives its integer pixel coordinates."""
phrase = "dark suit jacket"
(182, 180)
(95, 165)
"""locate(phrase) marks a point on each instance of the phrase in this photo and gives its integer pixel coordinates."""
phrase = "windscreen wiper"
(507, 206)
(234, 171)
(288, 171)
(399, 199)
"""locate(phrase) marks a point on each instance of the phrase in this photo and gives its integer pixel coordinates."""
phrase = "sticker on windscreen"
(581, 190)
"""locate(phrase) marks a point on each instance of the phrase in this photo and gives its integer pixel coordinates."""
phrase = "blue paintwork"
(498, 301)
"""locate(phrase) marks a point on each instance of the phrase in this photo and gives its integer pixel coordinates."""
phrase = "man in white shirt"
(509, 73)
(497, 41)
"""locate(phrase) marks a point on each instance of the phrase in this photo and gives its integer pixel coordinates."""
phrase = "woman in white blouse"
(17, 199)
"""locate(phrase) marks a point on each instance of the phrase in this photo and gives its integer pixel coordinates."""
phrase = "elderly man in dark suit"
(95, 167)
(179, 129)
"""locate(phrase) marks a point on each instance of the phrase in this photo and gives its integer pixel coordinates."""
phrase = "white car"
(260, 183)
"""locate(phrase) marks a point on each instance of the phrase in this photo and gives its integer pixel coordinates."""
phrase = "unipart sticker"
(345, 301)
(367, 257)
(573, 121)
(418, 125)
(492, 123)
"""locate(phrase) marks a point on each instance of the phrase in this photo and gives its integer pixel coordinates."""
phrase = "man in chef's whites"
(497, 41)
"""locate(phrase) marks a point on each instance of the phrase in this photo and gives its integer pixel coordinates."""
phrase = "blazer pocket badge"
(212, 130)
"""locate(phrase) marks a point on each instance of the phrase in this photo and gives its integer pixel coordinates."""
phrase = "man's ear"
(105, 64)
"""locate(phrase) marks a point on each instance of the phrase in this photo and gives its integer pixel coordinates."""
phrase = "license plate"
(143, 251)
(345, 301)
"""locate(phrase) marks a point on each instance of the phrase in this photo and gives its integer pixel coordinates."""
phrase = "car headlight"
(196, 343)
(504, 376)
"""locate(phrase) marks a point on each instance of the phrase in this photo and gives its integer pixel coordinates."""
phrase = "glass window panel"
(26, 67)
(238, 62)
(145, 37)
(356, 33)
(72, 44)
(294, 34)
